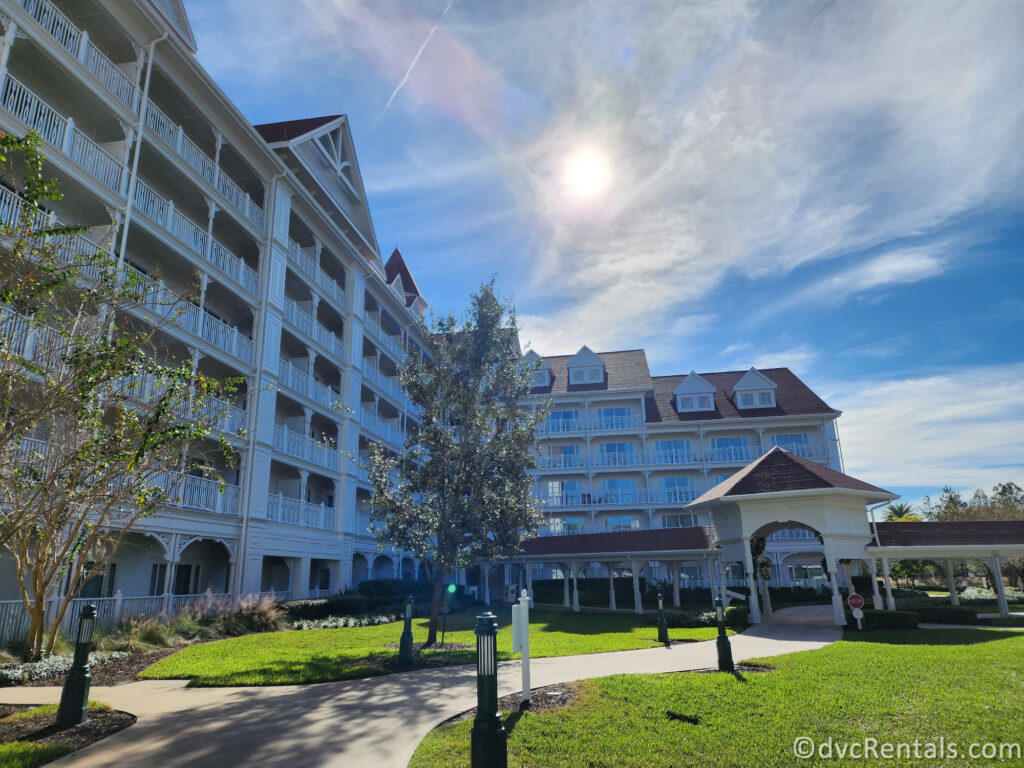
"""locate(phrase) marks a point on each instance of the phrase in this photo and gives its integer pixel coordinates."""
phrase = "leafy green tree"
(98, 428)
(462, 490)
(901, 512)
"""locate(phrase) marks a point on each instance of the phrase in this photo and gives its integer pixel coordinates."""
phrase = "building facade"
(270, 226)
(623, 450)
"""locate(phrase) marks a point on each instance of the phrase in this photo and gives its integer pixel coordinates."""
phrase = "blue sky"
(830, 186)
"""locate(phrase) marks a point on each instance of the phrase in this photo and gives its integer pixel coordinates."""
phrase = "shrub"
(737, 616)
(798, 594)
(265, 615)
(13, 674)
(978, 596)
(946, 614)
(884, 619)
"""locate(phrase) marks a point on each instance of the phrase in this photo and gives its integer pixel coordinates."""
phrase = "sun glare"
(587, 174)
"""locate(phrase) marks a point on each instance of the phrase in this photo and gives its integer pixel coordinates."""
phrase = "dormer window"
(695, 403)
(759, 399)
(754, 390)
(539, 378)
(585, 375)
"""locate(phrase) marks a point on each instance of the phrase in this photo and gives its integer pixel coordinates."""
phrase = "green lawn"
(965, 685)
(29, 754)
(320, 655)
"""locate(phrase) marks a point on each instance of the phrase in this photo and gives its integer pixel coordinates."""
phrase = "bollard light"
(405, 644)
(724, 648)
(488, 743)
(662, 623)
(74, 698)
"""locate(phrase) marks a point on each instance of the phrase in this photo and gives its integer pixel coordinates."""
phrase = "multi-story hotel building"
(270, 226)
(624, 450)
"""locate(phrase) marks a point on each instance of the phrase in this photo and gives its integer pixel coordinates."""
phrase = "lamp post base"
(74, 699)
(488, 748)
(725, 663)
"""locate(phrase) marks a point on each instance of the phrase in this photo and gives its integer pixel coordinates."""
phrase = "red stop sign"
(855, 600)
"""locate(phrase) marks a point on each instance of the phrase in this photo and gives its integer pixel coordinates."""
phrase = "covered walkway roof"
(653, 543)
(957, 539)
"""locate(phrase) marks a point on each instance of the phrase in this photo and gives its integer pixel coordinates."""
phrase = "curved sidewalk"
(375, 723)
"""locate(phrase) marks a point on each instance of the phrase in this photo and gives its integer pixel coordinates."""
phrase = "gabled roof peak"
(753, 379)
(174, 13)
(585, 357)
(535, 361)
(693, 384)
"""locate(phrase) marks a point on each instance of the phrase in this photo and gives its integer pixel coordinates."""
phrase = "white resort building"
(294, 295)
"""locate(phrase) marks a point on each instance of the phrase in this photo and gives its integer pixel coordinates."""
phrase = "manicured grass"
(320, 655)
(964, 685)
(29, 754)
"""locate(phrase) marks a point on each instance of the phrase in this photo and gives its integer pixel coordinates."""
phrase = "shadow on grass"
(965, 636)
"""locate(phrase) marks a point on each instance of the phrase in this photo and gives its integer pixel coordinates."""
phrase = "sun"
(587, 174)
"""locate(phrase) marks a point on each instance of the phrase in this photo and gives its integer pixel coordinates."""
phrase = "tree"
(901, 512)
(461, 491)
(100, 425)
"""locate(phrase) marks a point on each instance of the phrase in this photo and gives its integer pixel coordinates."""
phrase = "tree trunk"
(36, 627)
(435, 606)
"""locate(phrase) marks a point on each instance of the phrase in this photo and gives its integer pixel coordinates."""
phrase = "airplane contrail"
(412, 64)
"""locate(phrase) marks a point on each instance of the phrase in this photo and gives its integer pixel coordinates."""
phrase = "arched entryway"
(408, 569)
(383, 567)
(276, 574)
(203, 565)
(360, 568)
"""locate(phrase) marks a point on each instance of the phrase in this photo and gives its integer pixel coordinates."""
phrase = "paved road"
(372, 723)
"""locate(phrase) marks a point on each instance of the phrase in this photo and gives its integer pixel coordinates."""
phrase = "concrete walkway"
(376, 723)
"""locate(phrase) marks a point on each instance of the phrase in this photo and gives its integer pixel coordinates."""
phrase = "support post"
(575, 590)
(748, 567)
(529, 581)
(675, 583)
(485, 568)
(876, 598)
(837, 600)
(997, 577)
(637, 603)
(611, 585)
(954, 598)
(565, 586)
(890, 601)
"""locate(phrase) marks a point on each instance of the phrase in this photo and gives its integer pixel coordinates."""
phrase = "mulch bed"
(739, 668)
(541, 699)
(116, 671)
(43, 729)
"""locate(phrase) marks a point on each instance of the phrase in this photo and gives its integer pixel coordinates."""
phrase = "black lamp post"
(74, 699)
(405, 644)
(488, 743)
(724, 648)
(662, 623)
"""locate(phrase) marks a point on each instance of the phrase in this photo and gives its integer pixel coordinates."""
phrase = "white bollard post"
(521, 641)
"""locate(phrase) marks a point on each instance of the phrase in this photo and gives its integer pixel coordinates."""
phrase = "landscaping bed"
(963, 685)
(29, 736)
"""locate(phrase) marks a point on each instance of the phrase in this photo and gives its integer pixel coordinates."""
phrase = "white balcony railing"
(563, 461)
(676, 457)
(560, 426)
(77, 43)
(163, 213)
(203, 493)
(301, 447)
(671, 495)
(613, 423)
(163, 302)
(380, 428)
(331, 287)
(387, 384)
(61, 132)
(618, 459)
(734, 454)
(382, 337)
(173, 135)
(284, 509)
(564, 500)
(296, 379)
(363, 524)
(313, 328)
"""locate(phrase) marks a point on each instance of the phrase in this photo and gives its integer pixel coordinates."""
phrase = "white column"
(637, 603)
(997, 575)
(748, 567)
(954, 598)
(890, 601)
(485, 569)
(876, 598)
(565, 586)
(575, 590)
(300, 578)
(611, 585)
(723, 571)
(529, 581)
(849, 580)
(837, 600)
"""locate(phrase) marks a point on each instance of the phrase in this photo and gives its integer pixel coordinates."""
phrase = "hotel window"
(766, 399)
(616, 454)
(619, 490)
(675, 488)
(101, 584)
(563, 421)
(678, 520)
(761, 399)
(567, 456)
(564, 526)
(696, 403)
(585, 375)
(186, 579)
(156, 579)
(564, 492)
(729, 448)
(614, 418)
(672, 451)
(540, 378)
(622, 523)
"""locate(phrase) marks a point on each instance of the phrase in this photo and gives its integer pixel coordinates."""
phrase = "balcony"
(620, 498)
(565, 499)
(77, 43)
(563, 461)
(313, 328)
(559, 426)
(734, 455)
(283, 509)
(204, 493)
(616, 423)
(381, 429)
(189, 317)
(386, 384)
(386, 340)
(163, 213)
(173, 136)
(304, 258)
(673, 458)
(223, 415)
(672, 495)
(618, 459)
(301, 382)
(299, 446)
(61, 132)
(363, 524)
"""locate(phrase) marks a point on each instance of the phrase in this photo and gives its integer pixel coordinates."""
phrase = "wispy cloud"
(960, 429)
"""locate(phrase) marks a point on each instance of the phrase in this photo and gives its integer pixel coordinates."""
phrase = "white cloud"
(961, 429)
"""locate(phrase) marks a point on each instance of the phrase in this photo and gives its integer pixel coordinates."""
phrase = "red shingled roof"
(648, 540)
(779, 471)
(396, 266)
(965, 532)
(287, 130)
(792, 398)
(626, 369)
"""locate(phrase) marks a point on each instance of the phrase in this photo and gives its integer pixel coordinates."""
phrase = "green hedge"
(371, 595)
(883, 619)
(946, 614)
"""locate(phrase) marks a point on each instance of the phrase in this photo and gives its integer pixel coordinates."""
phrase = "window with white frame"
(678, 520)
(695, 403)
(756, 399)
(563, 421)
(564, 492)
(585, 375)
(729, 449)
(794, 442)
(618, 417)
(101, 584)
(619, 490)
(539, 378)
(621, 523)
(616, 454)
(675, 488)
(672, 451)
(564, 526)
(564, 456)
